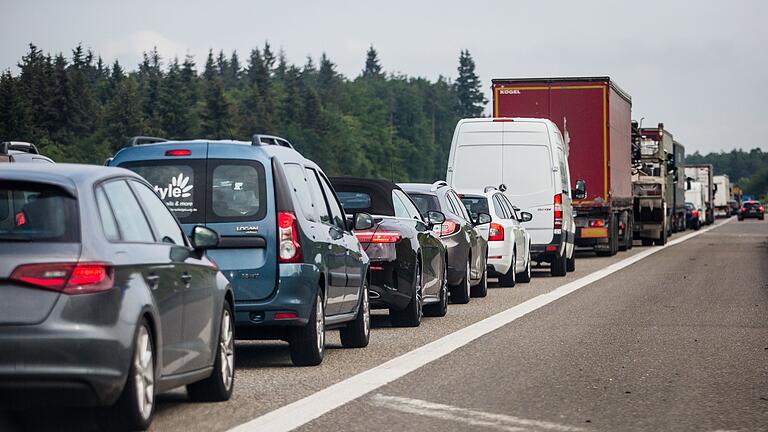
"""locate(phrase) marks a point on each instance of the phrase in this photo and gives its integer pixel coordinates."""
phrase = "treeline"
(748, 169)
(79, 109)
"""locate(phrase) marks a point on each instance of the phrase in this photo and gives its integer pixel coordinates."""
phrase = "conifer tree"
(372, 65)
(470, 98)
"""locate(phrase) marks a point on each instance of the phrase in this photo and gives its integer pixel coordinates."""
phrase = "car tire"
(136, 405)
(525, 276)
(357, 333)
(570, 263)
(218, 387)
(509, 279)
(412, 314)
(461, 293)
(481, 288)
(558, 266)
(440, 309)
(307, 344)
(647, 242)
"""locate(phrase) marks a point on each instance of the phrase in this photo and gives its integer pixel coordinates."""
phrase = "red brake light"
(558, 222)
(289, 245)
(503, 120)
(495, 232)
(597, 223)
(378, 236)
(178, 152)
(285, 315)
(67, 278)
(448, 228)
(760, 209)
(695, 213)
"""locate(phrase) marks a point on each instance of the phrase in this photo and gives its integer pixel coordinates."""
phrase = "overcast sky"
(698, 66)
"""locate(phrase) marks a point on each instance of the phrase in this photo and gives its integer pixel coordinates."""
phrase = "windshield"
(425, 202)
(32, 212)
(354, 200)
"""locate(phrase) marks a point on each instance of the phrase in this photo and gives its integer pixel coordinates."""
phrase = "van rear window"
(180, 186)
(32, 212)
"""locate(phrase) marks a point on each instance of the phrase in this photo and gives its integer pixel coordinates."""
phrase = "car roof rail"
(489, 188)
(438, 184)
(260, 139)
(139, 140)
(22, 146)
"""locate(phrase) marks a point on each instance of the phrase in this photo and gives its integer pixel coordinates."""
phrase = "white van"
(526, 159)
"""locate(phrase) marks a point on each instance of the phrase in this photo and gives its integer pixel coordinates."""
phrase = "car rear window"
(753, 204)
(200, 191)
(31, 212)
(476, 205)
(425, 202)
(354, 200)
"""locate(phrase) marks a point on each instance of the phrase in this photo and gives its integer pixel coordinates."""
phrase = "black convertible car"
(408, 262)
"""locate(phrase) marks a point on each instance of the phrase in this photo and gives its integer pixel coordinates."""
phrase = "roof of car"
(66, 176)
(423, 187)
(380, 192)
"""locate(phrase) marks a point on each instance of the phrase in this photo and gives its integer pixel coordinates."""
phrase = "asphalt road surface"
(675, 341)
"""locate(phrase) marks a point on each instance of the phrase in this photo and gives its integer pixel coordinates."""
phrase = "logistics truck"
(722, 195)
(653, 183)
(702, 173)
(594, 115)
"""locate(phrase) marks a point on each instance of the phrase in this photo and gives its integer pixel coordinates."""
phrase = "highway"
(674, 339)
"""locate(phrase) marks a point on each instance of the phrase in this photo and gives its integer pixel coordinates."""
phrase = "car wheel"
(510, 278)
(440, 309)
(136, 405)
(411, 315)
(525, 276)
(308, 342)
(357, 333)
(570, 263)
(460, 293)
(558, 266)
(218, 387)
(481, 289)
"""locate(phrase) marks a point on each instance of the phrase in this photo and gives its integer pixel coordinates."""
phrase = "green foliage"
(396, 127)
(748, 169)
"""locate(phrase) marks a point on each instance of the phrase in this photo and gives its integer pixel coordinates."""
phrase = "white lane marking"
(304, 410)
(467, 416)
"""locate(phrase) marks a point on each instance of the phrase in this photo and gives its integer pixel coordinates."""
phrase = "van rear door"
(528, 175)
(477, 159)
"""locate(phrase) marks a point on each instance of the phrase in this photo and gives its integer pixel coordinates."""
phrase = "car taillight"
(558, 223)
(67, 278)
(288, 236)
(597, 223)
(760, 209)
(495, 232)
(448, 228)
(378, 236)
(743, 209)
(695, 213)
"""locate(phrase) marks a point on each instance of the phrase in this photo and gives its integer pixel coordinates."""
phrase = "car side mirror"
(435, 217)
(526, 217)
(688, 183)
(580, 191)
(362, 222)
(204, 238)
(482, 219)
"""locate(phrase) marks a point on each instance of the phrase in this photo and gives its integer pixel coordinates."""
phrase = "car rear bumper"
(499, 257)
(383, 288)
(295, 293)
(74, 365)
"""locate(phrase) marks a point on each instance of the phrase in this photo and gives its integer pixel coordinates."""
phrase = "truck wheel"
(647, 242)
(570, 263)
(613, 238)
(357, 333)
(624, 220)
(663, 240)
(558, 267)
(630, 231)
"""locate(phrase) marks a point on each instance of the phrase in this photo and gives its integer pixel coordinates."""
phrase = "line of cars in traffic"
(124, 281)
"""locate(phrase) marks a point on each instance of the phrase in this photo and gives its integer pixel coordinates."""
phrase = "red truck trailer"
(595, 117)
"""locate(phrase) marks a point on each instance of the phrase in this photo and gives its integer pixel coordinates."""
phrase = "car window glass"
(108, 222)
(400, 210)
(336, 212)
(410, 207)
(508, 205)
(180, 185)
(168, 230)
(130, 218)
(425, 202)
(298, 181)
(498, 208)
(235, 191)
(318, 199)
(38, 213)
(460, 209)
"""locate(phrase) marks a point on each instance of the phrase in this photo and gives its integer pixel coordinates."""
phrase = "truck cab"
(652, 183)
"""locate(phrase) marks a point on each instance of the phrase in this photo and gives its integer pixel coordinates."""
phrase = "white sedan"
(509, 244)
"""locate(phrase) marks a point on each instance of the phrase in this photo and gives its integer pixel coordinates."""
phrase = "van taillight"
(289, 246)
(495, 232)
(178, 152)
(558, 211)
(67, 278)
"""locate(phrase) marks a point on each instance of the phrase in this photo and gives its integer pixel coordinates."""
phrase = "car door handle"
(153, 280)
(186, 277)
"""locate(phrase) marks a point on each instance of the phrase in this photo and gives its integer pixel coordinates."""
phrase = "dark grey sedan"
(103, 299)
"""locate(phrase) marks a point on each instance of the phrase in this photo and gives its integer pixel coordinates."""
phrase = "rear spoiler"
(259, 140)
(139, 140)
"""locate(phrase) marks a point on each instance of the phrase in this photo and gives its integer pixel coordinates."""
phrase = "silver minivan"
(527, 160)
